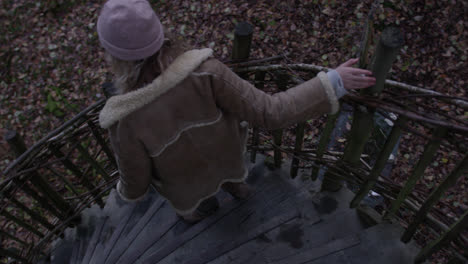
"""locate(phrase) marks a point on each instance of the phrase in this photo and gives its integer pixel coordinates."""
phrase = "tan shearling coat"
(183, 132)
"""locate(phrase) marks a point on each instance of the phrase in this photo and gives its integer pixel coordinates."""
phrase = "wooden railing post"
(461, 169)
(323, 143)
(297, 147)
(92, 162)
(437, 244)
(14, 255)
(242, 41)
(363, 121)
(382, 159)
(241, 51)
(77, 172)
(19, 147)
(102, 143)
(424, 161)
(15, 142)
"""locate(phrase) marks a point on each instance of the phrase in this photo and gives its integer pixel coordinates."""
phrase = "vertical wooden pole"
(461, 169)
(241, 51)
(5, 234)
(277, 140)
(77, 172)
(19, 147)
(424, 161)
(102, 143)
(93, 162)
(390, 43)
(297, 147)
(35, 216)
(21, 223)
(391, 40)
(448, 236)
(40, 199)
(323, 143)
(15, 142)
(382, 159)
(242, 41)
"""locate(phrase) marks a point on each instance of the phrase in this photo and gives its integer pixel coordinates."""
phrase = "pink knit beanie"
(129, 29)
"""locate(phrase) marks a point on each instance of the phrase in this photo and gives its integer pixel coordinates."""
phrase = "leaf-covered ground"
(51, 63)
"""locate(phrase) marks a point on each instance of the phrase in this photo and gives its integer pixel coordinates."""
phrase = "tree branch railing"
(45, 189)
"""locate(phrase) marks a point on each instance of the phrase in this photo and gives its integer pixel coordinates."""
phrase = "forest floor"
(51, 63)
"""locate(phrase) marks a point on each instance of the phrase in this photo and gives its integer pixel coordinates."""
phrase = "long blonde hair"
(127, 73)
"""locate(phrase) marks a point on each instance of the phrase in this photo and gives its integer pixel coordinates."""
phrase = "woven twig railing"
(308, 148)
(46, 187)
(433, 119)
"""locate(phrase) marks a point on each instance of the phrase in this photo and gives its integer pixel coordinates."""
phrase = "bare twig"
(382, 105)
(390, 83)
(254, 62)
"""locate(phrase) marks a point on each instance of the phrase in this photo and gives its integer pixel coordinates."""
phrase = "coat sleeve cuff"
(122, 196)
(330, 92)
(337, 83)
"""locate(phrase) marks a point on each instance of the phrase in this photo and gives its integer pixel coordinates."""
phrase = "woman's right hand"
(354, 78)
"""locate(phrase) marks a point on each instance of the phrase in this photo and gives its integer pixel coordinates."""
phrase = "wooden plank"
(85, 231)
(94, 239)
(381, 244)
(271, 202)
(122, 222)
(293, 238)
(382, 159)
(338, 257)
(426, 158)
(245, 237)
(460, 170)
(186, 236)
(110, 234)
(320, 251)
(118, 245)
(159, 226)
(269, 184)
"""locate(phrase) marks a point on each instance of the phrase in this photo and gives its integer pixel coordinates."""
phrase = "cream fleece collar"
(119, 106)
